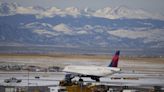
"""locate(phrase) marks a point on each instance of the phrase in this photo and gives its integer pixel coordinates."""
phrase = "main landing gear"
(81, 80)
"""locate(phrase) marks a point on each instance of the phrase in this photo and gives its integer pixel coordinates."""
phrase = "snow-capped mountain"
(7, 9)
(54, 11)
(125, 12)
(120, 27)
(108, 12)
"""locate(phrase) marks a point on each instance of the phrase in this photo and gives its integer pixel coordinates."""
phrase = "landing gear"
(80, 80)
(67, 81)
(97, 80)
(68, 78)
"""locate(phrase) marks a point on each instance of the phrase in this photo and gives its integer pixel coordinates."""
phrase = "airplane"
(94, 72)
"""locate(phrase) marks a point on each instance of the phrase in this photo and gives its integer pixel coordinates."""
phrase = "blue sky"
(153, 6)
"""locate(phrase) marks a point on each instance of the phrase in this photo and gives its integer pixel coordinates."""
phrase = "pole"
(28, 82)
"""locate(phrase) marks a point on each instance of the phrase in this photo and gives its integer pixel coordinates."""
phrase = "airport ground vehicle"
(13, 79)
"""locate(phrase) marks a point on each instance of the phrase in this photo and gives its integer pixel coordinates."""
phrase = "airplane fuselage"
(99, 71)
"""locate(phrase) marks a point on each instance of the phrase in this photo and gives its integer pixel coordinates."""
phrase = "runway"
(53, 78)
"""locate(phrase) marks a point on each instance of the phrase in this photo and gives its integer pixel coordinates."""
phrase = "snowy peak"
(125, 12)
(72, 11)
(53, 11)
(39, 8)
(7, 9)
(104, 13)
(50, 12)
(108, 12)
(28, 10)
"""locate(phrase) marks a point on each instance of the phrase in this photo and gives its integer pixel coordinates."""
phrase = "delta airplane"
(94, 72)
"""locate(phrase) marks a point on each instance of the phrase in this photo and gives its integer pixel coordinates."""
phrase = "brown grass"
(82, 56)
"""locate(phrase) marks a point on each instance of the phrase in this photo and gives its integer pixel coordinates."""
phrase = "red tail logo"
(115, 59)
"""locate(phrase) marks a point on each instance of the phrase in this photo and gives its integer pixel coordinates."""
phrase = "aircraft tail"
(115, 59)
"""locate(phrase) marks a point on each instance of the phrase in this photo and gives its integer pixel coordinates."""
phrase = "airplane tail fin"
(115, 59)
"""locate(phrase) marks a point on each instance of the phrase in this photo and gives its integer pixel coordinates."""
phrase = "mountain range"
(119, 27)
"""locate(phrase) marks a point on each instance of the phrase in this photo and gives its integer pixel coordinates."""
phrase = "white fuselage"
(99, 71)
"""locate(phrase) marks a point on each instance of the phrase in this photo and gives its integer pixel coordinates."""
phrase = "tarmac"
(53, 78)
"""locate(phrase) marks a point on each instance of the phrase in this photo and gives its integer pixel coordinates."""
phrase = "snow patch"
(72, 11)
(37, 25)
(45, 32)
(27, 10)
(155, 35)
(51, 12)
(82, 32)
(129, 34)
(62, 28)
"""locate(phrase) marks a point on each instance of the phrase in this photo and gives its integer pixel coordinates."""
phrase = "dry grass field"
(131, 63)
